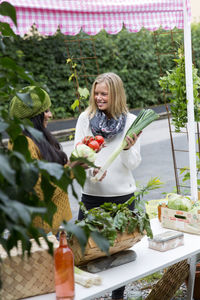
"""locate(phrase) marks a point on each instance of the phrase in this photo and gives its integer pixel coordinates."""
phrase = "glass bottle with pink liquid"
(64, 269)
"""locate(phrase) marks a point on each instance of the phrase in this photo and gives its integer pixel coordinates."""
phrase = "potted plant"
(175, 83)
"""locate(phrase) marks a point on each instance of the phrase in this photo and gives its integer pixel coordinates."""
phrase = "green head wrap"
(39, 102)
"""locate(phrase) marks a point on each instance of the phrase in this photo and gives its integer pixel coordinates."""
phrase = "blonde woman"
(107, 115)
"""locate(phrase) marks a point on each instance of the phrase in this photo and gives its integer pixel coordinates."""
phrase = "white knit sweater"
(119, 179)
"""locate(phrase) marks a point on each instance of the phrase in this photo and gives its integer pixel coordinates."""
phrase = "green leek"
(144, 118)
(85, 278)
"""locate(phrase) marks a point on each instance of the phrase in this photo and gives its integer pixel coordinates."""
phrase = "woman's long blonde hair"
(116, 94)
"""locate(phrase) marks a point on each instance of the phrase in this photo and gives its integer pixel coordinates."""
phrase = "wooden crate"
(180, 220)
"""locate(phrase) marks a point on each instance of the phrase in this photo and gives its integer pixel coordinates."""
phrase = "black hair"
(50, 148)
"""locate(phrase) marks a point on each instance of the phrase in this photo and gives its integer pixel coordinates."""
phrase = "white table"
(148, 261)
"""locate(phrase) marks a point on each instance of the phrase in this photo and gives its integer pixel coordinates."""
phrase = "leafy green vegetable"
(110, 218)
(179, 202)
(108, 222)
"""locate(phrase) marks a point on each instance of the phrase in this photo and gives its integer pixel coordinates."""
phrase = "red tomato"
(87, 139)
(99, 139)
(94, 145)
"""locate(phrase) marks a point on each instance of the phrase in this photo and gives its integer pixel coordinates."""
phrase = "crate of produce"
(179, 212)
(28, 276)
(180, 220)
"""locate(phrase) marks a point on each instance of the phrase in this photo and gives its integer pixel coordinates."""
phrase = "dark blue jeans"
(94, 201)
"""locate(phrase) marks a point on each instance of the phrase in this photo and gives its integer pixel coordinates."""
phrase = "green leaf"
(2, 45)
(26, 98)
(38, 135)
(147, 226)
(74, 192)
(75, 104)
(14, 129)
(21, 145)
(6, 169)
(101, 241)
(47, 188)
(78, 232)
(25, 95)
(64, 181)
(6, 30)
(3, 126)
(53, 169)
(8, 62)
(18, 211)
(120, 220)
(83, 92)
(2, 81)
(6, 9)
(29, 176)
(79, 174)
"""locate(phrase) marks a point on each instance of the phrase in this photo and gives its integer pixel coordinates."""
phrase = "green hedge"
(133, 56)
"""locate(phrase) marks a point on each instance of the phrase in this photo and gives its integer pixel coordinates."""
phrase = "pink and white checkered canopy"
(94, 15)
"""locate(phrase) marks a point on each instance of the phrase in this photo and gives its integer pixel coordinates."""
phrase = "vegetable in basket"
(111, 217)
(144, 118)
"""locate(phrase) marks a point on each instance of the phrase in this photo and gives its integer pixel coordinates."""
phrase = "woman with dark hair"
(47, 149)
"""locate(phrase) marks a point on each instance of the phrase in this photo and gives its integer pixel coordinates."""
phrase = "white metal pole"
(190, 104)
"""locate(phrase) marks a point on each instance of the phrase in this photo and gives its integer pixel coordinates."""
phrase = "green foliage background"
(133, 56)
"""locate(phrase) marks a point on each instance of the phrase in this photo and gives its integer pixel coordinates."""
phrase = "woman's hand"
(73, 164)
(131, 141)
(96, 170)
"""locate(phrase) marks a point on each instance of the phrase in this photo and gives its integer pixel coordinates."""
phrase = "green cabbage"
(83, 150)
(179, 202)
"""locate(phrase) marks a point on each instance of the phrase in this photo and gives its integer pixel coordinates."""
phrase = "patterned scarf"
(101, 125)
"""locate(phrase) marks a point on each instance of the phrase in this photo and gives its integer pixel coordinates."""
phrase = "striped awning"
(92, 16)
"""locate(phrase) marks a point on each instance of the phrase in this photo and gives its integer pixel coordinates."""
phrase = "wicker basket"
(92, 251)
(171, 281)
(29, 276)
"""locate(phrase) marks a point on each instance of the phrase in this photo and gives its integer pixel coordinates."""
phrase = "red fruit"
(87, 139)
(94, 145)
(99, 139)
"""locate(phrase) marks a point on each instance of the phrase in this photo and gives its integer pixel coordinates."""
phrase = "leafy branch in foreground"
(19, 202)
